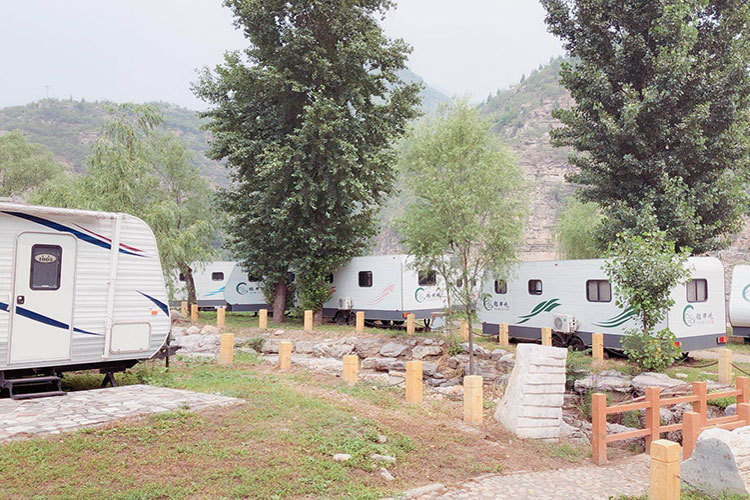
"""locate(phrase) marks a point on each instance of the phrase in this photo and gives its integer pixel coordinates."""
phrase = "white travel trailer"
(575, 299)
(739, 302)
(210, 282)
(78, 290)
(243, 292)
(386, 288)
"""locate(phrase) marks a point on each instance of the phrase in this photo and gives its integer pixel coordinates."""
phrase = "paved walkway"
(19, 419)
(628, 477)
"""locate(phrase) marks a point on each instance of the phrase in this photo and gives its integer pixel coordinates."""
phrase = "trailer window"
(697, 290)
(329, 278)
(427, 278)
(598, 291)
(253, 278)
(46, 266)
(182, 277)
(365, 278)
(535, 287)
(501, 287)
(217, 276)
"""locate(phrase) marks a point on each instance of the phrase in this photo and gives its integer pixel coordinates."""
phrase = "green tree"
(306, 118)
(468, 210)
(662, 96)
(576, 231)
(644, 268)
(24, 166)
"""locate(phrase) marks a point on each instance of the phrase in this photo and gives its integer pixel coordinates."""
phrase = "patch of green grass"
(568, 451)
(722, 402)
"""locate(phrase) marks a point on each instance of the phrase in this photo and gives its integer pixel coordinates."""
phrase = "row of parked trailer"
(83, 289)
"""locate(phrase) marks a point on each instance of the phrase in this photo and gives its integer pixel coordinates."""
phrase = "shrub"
(652, 352)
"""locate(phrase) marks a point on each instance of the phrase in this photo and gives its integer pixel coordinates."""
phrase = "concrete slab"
(27, 418)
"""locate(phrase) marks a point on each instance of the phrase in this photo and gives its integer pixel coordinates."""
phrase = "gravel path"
(628, 477)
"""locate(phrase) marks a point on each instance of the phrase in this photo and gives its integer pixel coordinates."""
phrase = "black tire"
(747, 340)
(576, 343)
(339, 318)
(397, 322)
(559, 341)
(351, 319)
(386, 323)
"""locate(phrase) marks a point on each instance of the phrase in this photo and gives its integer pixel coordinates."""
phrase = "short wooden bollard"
(226, 351)
(546, 336)
(691, 428)
(599, 428)
(184, 308)
(263, 318)
(360, 322)
(502, 335)
(464, 331)
(597, 346)
(350, 371)
(413, 381)
(725, 366)
(473, 400)
(664, 470)
(411, 324)
(308, 320)
(285, 355)
(220, 316)
(194, 313)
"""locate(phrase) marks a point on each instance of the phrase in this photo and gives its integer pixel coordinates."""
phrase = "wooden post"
(599, 428)
(725, 366)
(285, 355)
(473, 399)
(653, 420)
(263, 318)
(743, 385)
(350, 371)
(664, 471)
(691, 429)
(464, 329)
(226, 350)
(743, 412)
(414, 381)
(184, 308)
(220, 316)
(308, 320)
(597, 346)
(502, 336)
(546, 336)
(360, 323)
(411, 323)
(194, 313)
(699, 406)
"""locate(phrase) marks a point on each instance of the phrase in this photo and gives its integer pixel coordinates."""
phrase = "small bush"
(255, 343)
(722, 402)
(651, 352)
(453, 346)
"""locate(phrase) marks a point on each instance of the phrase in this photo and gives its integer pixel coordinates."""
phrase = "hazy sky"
(143, 50)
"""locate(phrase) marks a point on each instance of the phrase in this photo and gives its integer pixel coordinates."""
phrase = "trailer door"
(43, 289)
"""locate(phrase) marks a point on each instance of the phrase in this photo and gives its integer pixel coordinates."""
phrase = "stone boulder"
(393, 350)
(478, 350)
(329, 366)
(720, 462)
(210, 330)
(382, 364)
(270, 346)
(304, 347)
(496, 354)
(609, 380)
(192, 330)
(198, 344)
(651, 379)
(366, 348)
(333, 348)
(177, 332)
(423, 351)
(531, 407)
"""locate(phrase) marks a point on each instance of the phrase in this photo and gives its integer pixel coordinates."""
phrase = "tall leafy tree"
(468, 210)
(306, 118)
(660, 124)
(25, 166)
(576, 230)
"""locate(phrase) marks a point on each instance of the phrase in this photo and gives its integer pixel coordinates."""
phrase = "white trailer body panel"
(739, 301)
(243, 292)
(385, 287)
(562, 288)
(210, 282)
(78, 288)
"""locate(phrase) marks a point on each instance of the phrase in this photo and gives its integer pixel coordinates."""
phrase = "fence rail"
(693, 422)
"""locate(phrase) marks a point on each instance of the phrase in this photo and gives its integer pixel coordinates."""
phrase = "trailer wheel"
(351, 320)
(558, 340)
(397, 323)
(747, 340)
(386, 323)
(576, 343)
(339, 318)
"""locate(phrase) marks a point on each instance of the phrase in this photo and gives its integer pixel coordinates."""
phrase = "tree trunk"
(471, 341)
(187, 272)
(279, 301)
(318, 317)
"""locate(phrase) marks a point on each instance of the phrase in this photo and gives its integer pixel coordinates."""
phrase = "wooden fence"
(693, 422)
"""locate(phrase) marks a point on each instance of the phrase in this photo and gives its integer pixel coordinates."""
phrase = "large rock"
(651, 379)
(382, 364)
(422, 351)
(393, 350)
(366, 348)
(333, 348)
(198, 343)
(496, 354)
(210, 330)
(329, 366)
(304, 346)
(532, 404)
(478, 349)
(720, 462)
(192, 330)
(270, 346)
(610, 380)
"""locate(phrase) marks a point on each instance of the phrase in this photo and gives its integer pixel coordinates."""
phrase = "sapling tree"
(467, 213)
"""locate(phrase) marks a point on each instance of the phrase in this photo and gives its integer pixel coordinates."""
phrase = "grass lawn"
(278, 443)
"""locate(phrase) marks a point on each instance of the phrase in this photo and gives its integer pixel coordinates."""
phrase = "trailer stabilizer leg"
(109, 378)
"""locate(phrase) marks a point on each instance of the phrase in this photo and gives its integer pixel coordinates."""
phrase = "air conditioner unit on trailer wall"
(565, 323)
(346, 303)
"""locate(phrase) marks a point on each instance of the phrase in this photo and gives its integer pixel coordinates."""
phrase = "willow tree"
(305, 118)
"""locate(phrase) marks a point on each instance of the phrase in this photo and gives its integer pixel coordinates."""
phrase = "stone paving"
(20, 419)
(628, 477)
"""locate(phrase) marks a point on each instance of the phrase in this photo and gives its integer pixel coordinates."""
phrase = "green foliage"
(722, 402)
(453, 346)
(576, 231)
(651, 351)
(467, 212)
(307, 127)
(577, 366)
(662, 98)
(24, 166)
(313, 290)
